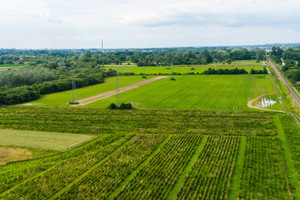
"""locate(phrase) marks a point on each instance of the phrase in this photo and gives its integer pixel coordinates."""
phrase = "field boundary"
(108, 94)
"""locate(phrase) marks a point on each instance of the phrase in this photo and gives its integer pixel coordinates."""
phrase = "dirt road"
(108, 94)
(281, 78)
(249, 104)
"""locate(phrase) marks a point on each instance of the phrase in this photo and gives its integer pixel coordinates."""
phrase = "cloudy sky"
(147, 23)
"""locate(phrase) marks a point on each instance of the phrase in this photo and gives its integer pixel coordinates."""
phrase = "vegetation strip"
(89, 170)
(292, 175)
(133, 174)
(236, 177)
(187, 169)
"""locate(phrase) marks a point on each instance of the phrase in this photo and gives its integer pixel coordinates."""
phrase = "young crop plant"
(292, 134)
(264, 173)
(156, 180)
(102, 181)
(42, 178)
(211, 174)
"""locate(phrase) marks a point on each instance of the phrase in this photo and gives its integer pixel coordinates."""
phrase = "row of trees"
(234, 71)
(154, 57)
(290, 60)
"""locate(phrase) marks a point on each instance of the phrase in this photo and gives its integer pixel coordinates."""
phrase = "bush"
(123, 106)
(173, 79)
(112, 106)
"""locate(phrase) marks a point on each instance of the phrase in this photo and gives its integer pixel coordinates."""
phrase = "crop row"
(211, 174)
(156, 180)
(101, 121)
(292, 133)
(102, 181)
(264, 173)
(56, 171)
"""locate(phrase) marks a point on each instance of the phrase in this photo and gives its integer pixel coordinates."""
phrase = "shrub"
(112, 106)
(123, 106)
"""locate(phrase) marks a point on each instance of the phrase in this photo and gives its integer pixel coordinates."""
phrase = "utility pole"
(74, 95)
(117, 91)
(227, 103)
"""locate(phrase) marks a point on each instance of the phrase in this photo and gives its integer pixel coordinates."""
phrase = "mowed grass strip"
(210, 92)
(42, 140)
(64, 98)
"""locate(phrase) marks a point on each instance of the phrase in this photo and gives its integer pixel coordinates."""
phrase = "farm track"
(108, 94)
(281, 78)
(249, 104)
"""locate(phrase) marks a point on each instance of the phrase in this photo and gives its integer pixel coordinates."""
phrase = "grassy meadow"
(63, 98)
(42, 140)
(210, 92)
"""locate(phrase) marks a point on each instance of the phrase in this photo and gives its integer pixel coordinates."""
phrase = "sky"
(52, 24)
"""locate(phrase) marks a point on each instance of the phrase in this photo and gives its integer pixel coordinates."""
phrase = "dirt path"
(108, 94)
(249, 104)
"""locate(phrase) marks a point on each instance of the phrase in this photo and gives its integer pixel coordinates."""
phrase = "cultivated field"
(157, 154)
(192, 138)
(210, 92)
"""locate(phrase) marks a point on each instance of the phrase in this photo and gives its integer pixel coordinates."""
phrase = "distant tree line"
(290, 65)
(233, 71)
(155, 57)
(28, 83)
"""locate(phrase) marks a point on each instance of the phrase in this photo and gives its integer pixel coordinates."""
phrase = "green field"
(175, 69)
(64, 98)
(158, 154)
(192, 138)
(196, 92)
(42, 140)
(10, 66)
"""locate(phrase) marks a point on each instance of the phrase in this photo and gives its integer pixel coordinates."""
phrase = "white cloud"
(145, 23)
